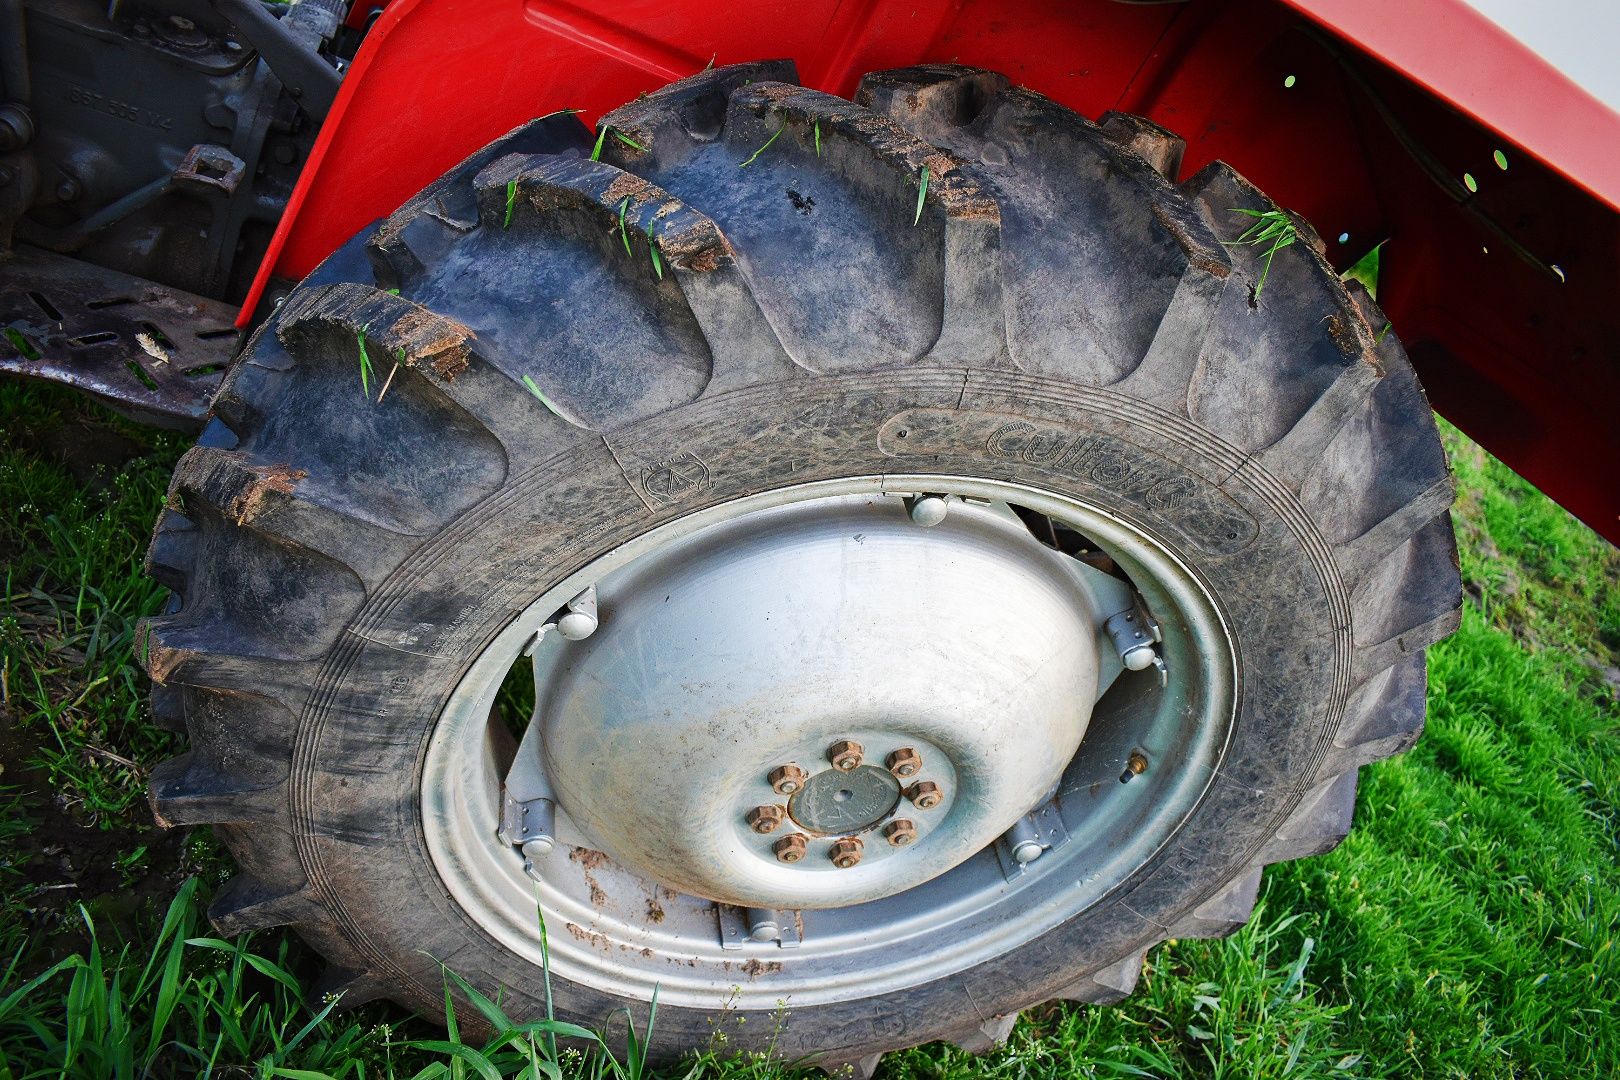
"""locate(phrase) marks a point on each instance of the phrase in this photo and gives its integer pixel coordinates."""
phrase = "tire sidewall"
(364, 731)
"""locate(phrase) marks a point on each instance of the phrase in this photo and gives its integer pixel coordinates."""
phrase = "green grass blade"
(511, 201)
(529, 384)
(652, 249)
(922, 193)
(755, 155)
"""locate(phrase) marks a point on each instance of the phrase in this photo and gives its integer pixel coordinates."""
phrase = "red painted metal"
(1506, 296)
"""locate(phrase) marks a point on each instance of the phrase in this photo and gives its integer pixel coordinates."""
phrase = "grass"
(1271, 227)
(1465, 929)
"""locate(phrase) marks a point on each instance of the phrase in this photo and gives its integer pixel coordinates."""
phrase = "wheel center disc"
(845, 802)
(926, 685)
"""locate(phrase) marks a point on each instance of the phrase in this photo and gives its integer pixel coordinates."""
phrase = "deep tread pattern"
(169, 708)
(983, 1036)
(698, 282)
(838, 184)
(1224, 913)
(1320, 821)
(1257, 378)
(187, 790)
(692, 261)
(1027, 152)
(1153, 144)
(173, 550)
(1107, 986)
(1383, 717)
(861, 1068)
(246, 904)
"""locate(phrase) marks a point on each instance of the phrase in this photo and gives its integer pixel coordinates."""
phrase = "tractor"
(839, 521)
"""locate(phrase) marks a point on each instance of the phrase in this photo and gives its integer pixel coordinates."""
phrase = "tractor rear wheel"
(948, 562)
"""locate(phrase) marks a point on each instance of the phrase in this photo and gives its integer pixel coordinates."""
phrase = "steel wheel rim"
(624, 935)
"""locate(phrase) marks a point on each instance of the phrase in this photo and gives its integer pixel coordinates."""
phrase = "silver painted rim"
(626, 934)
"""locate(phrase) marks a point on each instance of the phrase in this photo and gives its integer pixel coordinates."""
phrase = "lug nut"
(764, 819)
(904, 762)
(899, 832)
(924, 794)
(846, 853)
(845, 755)
(790, 848)
(786, 779)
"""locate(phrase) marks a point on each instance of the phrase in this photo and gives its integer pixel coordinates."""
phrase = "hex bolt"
(764, 819)
(846, 853)
(786, 779)
(845, 755)
(928, 510)
(791, 848)
(1136, 766)
(899, 832)
(925, 794)
(904, 762)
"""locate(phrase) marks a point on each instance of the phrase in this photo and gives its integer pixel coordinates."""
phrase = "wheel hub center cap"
(845, 802)
(926, 686)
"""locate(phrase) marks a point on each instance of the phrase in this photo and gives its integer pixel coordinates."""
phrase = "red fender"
(1363, 115)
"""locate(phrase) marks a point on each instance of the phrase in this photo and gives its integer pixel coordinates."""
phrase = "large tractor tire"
(948, 568)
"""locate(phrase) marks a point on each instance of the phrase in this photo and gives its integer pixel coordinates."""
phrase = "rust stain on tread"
(632, 187)
(248, 502)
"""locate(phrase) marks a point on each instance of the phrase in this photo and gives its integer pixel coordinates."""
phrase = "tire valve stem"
(1136, 766)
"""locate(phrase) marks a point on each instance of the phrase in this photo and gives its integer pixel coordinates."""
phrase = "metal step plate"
(154, 353)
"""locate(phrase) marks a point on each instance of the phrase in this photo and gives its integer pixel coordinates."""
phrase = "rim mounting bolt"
(904, 762)
(899, 832)
(924, 794)
(1136, 766)
(791, 848)
(927, 510)
(786, 779)
(764, 819)
(845, 755)
(846, 853)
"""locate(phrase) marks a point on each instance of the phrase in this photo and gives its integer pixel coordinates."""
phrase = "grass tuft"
(1274, 228)
(365, 362)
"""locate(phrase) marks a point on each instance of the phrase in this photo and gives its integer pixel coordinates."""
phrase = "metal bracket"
(744, 926)
(1134, 634)
(1042, 827)
(576, 621)
(530, 826)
